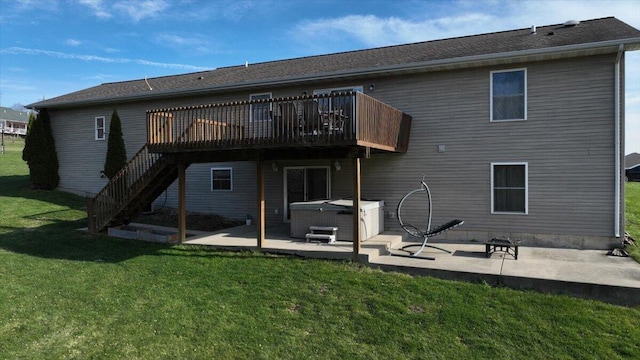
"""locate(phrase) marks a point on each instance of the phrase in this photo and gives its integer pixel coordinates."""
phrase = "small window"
(221, 179)
(509, 188)
(260, 111)
(100, 133)
(509, 95)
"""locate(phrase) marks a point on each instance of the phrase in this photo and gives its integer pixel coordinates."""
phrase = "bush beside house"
(116, 150)
(40, 153)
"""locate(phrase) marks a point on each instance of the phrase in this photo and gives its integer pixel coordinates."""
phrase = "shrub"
(40, 153)
(116, 151)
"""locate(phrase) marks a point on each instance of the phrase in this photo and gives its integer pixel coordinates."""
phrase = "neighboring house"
(499, 124)
(13, 122)
(631, 160)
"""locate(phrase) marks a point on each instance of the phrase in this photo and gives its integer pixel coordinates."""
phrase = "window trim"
(491, 94)
(230, 179)
(251, 105)
(104, 128)
(526, 187)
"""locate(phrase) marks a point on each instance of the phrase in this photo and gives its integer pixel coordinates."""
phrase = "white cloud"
(138, 10)
(48, 5)
(469, 18)
(373, 31)
(60, 55)
(73, 42)
(98, 77)
(98, 7)
(135, 10)
(68, 56)
(194, 42)
(171, 66)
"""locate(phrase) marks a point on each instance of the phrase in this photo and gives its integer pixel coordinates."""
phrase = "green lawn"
(632, 216)
(65, 294)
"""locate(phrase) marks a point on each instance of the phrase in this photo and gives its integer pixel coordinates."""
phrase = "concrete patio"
(583, 273)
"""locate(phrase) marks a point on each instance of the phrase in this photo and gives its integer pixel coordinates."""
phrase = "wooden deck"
(332, 126)
(321, 121)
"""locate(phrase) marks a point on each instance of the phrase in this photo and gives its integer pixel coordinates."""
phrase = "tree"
(116, 151)
(32, 118)
(40, 153)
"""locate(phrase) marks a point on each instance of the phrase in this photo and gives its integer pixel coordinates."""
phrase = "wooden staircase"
(132, 190)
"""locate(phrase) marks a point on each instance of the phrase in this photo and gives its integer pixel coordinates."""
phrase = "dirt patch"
(195, 221)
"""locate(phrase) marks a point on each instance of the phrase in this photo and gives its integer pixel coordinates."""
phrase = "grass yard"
(632, 216)
(65, 294)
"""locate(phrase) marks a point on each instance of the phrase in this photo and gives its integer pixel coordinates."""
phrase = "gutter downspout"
(617, 141)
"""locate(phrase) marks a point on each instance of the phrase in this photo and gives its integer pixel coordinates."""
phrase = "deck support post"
(182, 202)
(91, 215)
(356, 208)
(260, 221)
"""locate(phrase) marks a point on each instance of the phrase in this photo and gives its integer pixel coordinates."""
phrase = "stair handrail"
(125, 184)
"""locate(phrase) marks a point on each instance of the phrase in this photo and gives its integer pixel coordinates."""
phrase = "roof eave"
(602, 47)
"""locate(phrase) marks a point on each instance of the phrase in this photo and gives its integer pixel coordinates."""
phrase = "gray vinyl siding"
(567, 141)
(235, 204)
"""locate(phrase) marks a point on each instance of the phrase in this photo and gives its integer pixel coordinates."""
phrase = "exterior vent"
(571, 23)
(533, 29)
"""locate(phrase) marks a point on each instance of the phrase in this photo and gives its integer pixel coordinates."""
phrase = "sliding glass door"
(305, 184)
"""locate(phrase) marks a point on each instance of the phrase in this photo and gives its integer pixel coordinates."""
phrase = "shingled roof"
(603, 32)
(13, 115)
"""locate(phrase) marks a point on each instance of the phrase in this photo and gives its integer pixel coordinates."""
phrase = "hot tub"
(337, 213)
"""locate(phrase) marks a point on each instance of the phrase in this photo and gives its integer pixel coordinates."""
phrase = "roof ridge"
(405, 44)
(349, 52)
(458, 50)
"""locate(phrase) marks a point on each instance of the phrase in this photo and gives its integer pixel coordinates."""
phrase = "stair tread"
(320, 236)
(323, 228)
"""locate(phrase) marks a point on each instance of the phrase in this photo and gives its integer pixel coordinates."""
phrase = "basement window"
(221, 179)
(509, 188)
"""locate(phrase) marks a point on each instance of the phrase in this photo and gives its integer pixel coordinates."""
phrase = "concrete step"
(380, 245)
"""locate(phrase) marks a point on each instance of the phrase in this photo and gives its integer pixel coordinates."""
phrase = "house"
(631, 160)
(13, 122)
(498, 124)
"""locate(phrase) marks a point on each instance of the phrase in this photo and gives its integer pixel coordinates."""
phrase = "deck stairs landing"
(133, 189)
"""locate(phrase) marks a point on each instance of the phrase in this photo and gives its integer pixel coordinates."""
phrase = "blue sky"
(53, 47)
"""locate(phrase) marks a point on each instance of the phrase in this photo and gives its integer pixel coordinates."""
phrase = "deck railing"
(327, 119)
(123, 186)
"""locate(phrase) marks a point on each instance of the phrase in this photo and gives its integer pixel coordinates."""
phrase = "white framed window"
(260, 111)
(510, 188)
(100, 128)
(221, 179)
(508, 90)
